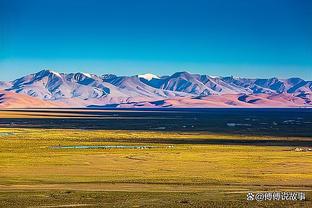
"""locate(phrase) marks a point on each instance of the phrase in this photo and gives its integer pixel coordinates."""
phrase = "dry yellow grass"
(27, 157)
(28, 162)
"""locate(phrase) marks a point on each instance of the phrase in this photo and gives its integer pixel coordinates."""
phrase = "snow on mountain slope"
(148, 76)
(134, 87)
(182, 82)
(83, 89)
(49, 85)
(196, 84)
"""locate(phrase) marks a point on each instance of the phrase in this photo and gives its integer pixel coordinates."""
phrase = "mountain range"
(182, 89)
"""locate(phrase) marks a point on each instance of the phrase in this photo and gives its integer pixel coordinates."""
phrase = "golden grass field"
(33, 174)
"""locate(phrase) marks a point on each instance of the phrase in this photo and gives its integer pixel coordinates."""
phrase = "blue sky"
(259, 38)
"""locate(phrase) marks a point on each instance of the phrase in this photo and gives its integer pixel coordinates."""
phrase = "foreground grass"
(135, 199)
(186, 175)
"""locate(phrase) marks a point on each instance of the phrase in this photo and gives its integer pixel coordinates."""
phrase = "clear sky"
(248, 38)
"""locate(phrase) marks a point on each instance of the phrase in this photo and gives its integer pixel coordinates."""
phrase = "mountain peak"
(148, 76)
(80, 88)
(47, 72)
(182, 73)
(86, 74)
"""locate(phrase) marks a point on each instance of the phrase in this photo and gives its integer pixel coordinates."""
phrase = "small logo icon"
(250, 196)
(259, 196)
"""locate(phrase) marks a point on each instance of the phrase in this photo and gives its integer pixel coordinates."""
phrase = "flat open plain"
(207, 158)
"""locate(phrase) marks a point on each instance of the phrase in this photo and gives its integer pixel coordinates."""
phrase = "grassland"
(188, 174)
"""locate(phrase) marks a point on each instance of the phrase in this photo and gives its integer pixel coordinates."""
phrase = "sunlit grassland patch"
(27, 157)
(188, 174)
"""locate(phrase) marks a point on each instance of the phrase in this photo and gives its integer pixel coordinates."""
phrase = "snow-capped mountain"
(84, 89)
(50, 85)
(148, 76)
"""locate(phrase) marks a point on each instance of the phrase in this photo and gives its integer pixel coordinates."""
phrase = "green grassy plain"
(32, 174)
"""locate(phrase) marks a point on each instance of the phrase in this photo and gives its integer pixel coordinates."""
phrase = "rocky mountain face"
(82, 89)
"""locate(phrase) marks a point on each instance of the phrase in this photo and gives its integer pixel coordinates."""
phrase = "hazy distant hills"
(181, 89)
